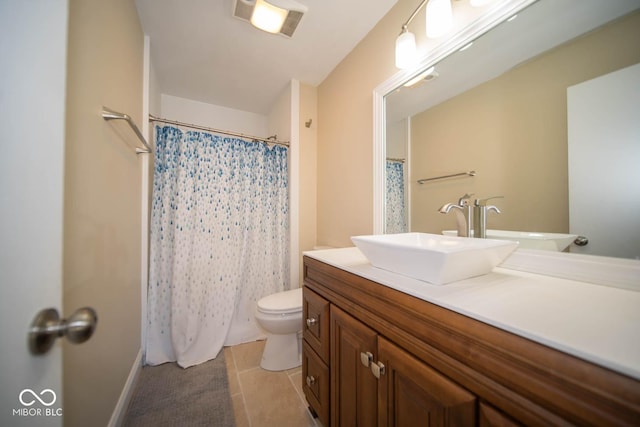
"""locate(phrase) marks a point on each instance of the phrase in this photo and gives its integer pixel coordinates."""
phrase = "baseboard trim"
(127, 392)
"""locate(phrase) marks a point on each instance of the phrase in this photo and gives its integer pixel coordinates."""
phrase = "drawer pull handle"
(366, 358)
(311, 380)
(311, 321)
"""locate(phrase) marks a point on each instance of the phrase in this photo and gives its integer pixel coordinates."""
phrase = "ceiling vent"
(243, 9)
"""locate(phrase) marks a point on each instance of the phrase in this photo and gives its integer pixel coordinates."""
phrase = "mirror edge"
(475, 29)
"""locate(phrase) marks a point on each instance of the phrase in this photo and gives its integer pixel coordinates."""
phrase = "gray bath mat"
(167, 395)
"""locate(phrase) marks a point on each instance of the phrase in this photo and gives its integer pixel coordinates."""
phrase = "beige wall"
(345, 123)
(396, 139)
(280, 123)
(102, 218)
(308, 144)
(513, 131)
(345, 133)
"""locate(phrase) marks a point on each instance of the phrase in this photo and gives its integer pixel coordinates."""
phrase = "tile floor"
(264, 398)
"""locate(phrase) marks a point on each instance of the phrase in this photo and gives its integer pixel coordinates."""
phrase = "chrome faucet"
(480, 210)
(463, 214)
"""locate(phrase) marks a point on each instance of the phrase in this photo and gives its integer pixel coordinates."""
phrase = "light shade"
(268, 17)
(439, 17)
(406, 53)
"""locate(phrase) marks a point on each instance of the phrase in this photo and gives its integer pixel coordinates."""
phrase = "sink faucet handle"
(463, 201)
(483, 202)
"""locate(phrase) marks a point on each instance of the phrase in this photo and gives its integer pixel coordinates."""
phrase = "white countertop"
(597, 323)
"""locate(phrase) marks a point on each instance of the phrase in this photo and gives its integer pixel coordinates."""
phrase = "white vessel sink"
(434, 258)
(529, 240)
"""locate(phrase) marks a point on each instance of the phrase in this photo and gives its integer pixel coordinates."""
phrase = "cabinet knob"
(311, 321)
(311, 380)
(377, 369)
(366, 358)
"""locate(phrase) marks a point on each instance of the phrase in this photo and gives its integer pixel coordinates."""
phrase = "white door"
(604, 154)
(33, 43)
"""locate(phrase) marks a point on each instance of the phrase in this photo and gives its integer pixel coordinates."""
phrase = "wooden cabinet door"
(353, 387)
(315, 382)
(411, 393)
(315, 327)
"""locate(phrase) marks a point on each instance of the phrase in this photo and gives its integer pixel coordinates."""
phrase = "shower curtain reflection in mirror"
(395, 201)
(219, 241)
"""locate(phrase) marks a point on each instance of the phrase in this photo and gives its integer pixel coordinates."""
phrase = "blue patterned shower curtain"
(395, 221)
(219, 242)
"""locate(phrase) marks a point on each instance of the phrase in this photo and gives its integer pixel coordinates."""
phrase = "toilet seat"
(286, 302)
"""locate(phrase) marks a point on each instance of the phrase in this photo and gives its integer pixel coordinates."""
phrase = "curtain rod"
(270, 140)
(391, 159)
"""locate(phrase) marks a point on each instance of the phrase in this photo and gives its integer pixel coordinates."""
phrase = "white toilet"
(280, 315)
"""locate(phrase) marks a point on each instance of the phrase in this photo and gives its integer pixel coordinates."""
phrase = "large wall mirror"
(544, 109)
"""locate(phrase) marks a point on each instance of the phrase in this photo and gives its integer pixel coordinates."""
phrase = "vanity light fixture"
(439, 18)
(406, 52)
(272, 16)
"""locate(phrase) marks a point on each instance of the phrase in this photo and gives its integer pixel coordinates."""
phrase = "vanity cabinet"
(395, 360)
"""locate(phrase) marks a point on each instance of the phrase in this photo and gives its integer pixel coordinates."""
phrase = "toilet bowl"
(280, 315)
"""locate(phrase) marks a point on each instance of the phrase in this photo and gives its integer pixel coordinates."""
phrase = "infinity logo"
(36, 397)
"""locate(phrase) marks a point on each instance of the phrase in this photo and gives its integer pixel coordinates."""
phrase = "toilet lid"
(282, 302)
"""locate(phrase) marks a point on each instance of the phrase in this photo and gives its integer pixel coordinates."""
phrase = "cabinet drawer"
(315, 318)
(315, 382)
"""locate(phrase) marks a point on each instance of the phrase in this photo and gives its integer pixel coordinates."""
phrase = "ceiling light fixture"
(272, 16)
(268, 17)
(439, 18)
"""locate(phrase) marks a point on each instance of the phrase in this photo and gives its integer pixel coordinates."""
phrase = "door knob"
(47, 326)
(581, 241)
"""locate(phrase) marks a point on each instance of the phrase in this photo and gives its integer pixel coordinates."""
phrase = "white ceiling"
(201, 52)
